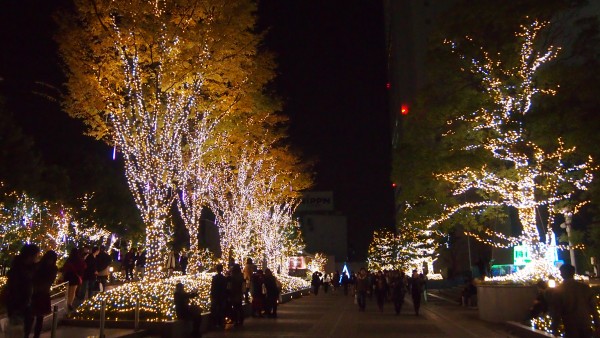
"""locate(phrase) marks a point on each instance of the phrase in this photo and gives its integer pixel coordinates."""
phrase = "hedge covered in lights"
(156, 298)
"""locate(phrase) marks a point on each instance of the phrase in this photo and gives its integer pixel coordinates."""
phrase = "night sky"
(332, 76)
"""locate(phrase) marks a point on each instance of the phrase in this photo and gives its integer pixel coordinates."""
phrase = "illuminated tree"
(383, 251)
(517, 173)
(144, 74)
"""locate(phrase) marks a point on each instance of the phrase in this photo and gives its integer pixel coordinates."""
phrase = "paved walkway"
(335, 315)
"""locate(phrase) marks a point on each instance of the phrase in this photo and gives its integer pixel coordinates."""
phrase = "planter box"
(501, 303)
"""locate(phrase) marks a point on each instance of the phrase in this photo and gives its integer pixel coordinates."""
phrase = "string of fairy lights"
(535, 177)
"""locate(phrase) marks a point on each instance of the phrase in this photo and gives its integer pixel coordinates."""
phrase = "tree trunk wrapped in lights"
(144, 73)
(518, 173)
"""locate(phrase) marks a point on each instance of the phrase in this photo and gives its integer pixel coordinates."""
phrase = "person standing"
(316, 282)
(258, 297)
(87, 288)
(236, 286)
(171, 263)
(249, 269)
(272, 287)
(140, 265)
(129, 263)
(218, 297)
(103, 261)
(43, 278)
(19, 288)
(185, 311)
(361, 287)
(73, 274)
(183, 262)
(573, 304)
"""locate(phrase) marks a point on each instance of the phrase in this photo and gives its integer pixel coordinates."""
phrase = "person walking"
(43, 279)
(72, 272)
(416, 291)
(326, 282)
(380, 288)
(398, 289)
(19, 290)
(185, 311)
(103, 261)
(573, 304)
(218, 297)
(361, 287)
(272, 286)
(345, 282)
(336, 280)
(183, 262)
(236, 287)
(171, 263)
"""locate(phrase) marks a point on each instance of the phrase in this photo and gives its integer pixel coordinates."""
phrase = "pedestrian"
(326, 282)
(336, 280)
(345, 282)
(380, 290)
(272, 287)
(72, 272)
(17, 294)
(362, 285)
(258, 296)
(185, 311)
(236, 287)
(398, 289)
(249, 269)
(140, 265)
(540, 303)
(129, 263)
(171, 263)
(468, 292)
(103, 261)
(416, 290)
(316, 282)
(183, 262)
(573, 304)
(218, 297)
(43, 278)
(88, 285)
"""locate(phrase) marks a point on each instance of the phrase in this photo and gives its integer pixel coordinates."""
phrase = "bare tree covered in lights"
(517, 172)
(144, 74)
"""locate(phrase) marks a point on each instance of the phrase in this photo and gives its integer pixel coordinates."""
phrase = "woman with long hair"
(73, 274)
(43, 278)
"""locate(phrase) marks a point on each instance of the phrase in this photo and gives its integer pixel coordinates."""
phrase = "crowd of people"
(385, 286)
(228, 291)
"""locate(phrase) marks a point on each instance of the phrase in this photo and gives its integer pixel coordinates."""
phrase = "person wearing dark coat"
(218, 297)
(398, 286)
(258, 298)
(87, 289)
(237, 288)
(19, 288)
(316, 282)
(103, 261)
(43, 279)
(185, 311)
(273, 289)
(416, 290)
